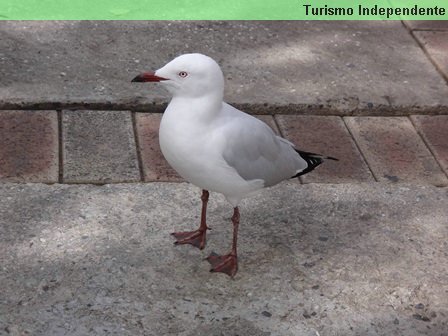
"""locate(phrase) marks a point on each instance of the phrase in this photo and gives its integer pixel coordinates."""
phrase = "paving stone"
(436, 44)
(434, 129)
(394, 150)
(29, 146)
(329, 136)
(155, 167)
(99, 147)
(427, 25)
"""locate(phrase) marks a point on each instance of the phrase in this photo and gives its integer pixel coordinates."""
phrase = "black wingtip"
(313, 160)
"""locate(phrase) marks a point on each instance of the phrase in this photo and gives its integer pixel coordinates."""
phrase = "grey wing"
(255, 152)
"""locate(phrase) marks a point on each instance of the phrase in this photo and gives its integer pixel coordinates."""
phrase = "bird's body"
(226, 151)
(217, 147)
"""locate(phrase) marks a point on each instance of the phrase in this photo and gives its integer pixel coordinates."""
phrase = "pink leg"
(227, 263)
(196, 237)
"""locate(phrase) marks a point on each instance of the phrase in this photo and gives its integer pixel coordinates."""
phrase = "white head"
(189, 75)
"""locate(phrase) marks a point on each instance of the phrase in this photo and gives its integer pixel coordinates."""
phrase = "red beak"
(148, 77)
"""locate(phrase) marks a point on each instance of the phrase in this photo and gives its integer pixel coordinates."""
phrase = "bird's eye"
(182, 74)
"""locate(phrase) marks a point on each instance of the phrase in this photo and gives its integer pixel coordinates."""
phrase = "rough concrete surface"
(270, 66)
(366, 259)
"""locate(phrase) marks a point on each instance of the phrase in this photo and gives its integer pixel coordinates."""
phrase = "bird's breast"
(183, 146)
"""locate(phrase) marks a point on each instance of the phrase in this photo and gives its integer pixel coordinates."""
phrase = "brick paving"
(436, 45)
(433, 38)
(100, 147)
(394, 150)
(328, 136)
(434, 130)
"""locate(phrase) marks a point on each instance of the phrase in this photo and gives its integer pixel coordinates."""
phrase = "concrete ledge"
(343, 67)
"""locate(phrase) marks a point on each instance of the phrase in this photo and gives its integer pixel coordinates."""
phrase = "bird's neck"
(201, 108)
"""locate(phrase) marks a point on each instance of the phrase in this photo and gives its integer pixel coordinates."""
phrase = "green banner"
(223, 10)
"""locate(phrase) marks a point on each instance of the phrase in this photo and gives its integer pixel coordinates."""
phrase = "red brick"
(434, 129)
(394, 150)
(155, 167)
(436, 44)
(326, 135)
(29, 146)
(427, 25)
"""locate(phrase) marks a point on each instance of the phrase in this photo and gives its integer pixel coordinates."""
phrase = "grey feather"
(255, 152)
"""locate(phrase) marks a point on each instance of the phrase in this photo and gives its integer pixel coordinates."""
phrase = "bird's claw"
(195, 238)
(227, 263)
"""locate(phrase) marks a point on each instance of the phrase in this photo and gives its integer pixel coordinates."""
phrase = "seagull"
(219, 148)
